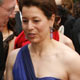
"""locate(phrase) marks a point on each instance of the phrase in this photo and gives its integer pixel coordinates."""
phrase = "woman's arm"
(10, 62)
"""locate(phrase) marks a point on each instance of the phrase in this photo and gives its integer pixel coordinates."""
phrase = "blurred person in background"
(69, 20)
(6, 8)
(10, 33)
(76, 9)
(76, 26)
(68, 5)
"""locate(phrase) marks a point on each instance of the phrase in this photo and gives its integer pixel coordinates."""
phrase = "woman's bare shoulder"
(67, 51)
(71, 60)
(67, 55)
(64, 52)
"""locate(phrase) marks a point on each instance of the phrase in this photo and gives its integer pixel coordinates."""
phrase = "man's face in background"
(6, 10)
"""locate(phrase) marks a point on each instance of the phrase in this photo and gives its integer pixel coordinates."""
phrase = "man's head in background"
(67, 4)
(6, 9)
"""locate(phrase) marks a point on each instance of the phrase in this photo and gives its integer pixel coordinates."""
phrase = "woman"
(44, 58)
(21, 40)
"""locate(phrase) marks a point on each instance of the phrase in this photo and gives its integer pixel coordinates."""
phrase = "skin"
(68, 42)
(58, 2)
(16, 9)
(50, 58)
(5, 12)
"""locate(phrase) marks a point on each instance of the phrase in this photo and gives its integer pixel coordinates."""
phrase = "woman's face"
(35, 24)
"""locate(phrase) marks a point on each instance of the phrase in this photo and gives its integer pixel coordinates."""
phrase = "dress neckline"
(49, 78)
(38, 78)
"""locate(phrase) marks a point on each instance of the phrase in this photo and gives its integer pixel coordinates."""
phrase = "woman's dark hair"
(47, 6)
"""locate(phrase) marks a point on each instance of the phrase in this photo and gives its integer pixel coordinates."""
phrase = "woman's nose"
(30, 25)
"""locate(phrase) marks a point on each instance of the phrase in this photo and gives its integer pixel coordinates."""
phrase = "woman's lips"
(31, 35)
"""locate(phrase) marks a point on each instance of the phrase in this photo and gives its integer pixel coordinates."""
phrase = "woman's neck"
(38, 48)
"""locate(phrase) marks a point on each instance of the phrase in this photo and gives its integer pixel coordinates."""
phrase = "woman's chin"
(34, 41)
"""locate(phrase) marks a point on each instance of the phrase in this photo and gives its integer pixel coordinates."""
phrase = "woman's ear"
(52, 20)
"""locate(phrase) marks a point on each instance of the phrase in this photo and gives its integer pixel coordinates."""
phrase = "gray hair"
(1, 1)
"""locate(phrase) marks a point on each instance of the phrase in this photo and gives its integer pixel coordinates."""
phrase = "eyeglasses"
(8, 10)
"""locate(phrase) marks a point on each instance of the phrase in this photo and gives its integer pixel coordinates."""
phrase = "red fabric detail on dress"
(21, 40)
(56, 35)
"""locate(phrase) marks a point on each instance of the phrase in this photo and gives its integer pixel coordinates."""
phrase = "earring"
(51, 32)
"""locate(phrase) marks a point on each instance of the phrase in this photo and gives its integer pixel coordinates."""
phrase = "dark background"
(76, 0)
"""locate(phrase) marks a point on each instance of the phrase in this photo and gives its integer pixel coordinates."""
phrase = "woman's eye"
(25, 21)
(36, 20)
